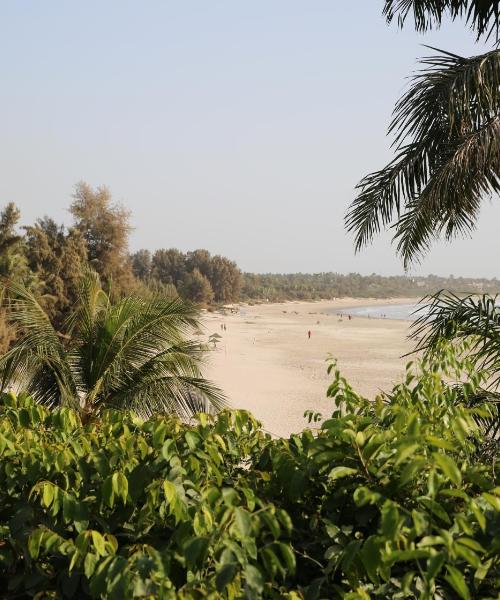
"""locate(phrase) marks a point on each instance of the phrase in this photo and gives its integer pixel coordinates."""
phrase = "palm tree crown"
(447, 140)
(133, 354)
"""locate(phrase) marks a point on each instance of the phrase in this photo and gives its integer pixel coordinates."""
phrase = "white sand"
(265, 362)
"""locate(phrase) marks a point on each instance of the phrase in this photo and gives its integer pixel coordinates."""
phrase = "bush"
(389, 499)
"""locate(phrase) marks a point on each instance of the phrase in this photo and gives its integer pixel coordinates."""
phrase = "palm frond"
(481, 15)
(37, 361)
(164, 382)
(446, 316)
(447, 160)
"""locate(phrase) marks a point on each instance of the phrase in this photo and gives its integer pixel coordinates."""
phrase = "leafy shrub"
(389, 499)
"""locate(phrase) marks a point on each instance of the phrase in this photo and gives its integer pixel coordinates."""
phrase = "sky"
(240, 126)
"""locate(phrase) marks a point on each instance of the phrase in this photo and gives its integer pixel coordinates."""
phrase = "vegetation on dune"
(389, 499)
(133, 353)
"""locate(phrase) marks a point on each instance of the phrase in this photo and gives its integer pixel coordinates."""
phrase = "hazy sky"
(237, 126)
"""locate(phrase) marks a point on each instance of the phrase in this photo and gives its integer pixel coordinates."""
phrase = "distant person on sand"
(309, 334)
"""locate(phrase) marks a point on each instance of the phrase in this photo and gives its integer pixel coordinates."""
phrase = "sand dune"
(265, 362)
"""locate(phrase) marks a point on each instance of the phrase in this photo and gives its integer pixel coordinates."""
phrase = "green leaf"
(470, 543)
(288, 557)
(338, 472)
(230, 496)
(195, 550)
(434, 566)
(457, 582)
(99, 543)
(254, 578)
(448, 466)
(170, 491)
(364, 495)
(225, 575)
(370, 557)
(120, 486)
(405, 451)
(48, 494)
(482, 571)
(469, 555)
(435, 508)
(89, 564)
(107, 492)
(192, 440)
(272, 523)
(34, 543)
(243, 521)
(390, 521)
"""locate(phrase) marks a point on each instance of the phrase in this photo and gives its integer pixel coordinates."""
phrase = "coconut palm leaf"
(446, 316)
(482, 15)
(447, 141)
(37, 361)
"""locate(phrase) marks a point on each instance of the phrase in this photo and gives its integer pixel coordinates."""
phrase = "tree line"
(274, 287)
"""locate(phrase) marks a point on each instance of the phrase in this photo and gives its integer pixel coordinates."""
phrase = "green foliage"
(389, 499)
(125, 508)
(134, 353)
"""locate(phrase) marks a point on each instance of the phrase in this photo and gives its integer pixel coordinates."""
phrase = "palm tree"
(475, 320)
(447, 141)
(129, 355)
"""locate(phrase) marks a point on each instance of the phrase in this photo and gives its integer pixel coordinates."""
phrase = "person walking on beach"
(309, 334)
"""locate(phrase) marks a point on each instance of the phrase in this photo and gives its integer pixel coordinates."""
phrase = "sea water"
(401, 312)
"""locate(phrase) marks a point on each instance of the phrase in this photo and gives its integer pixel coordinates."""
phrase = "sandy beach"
(265, 362)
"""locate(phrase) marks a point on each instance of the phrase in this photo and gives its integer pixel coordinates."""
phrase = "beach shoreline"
(266, 363)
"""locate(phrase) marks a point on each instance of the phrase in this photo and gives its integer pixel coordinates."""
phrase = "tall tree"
(196, 287)
(141, 264)
(59, 259)
(12, 260)
(225, 279)
(168, 266)
(105, 227)
(200, 259)
(13, 265)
